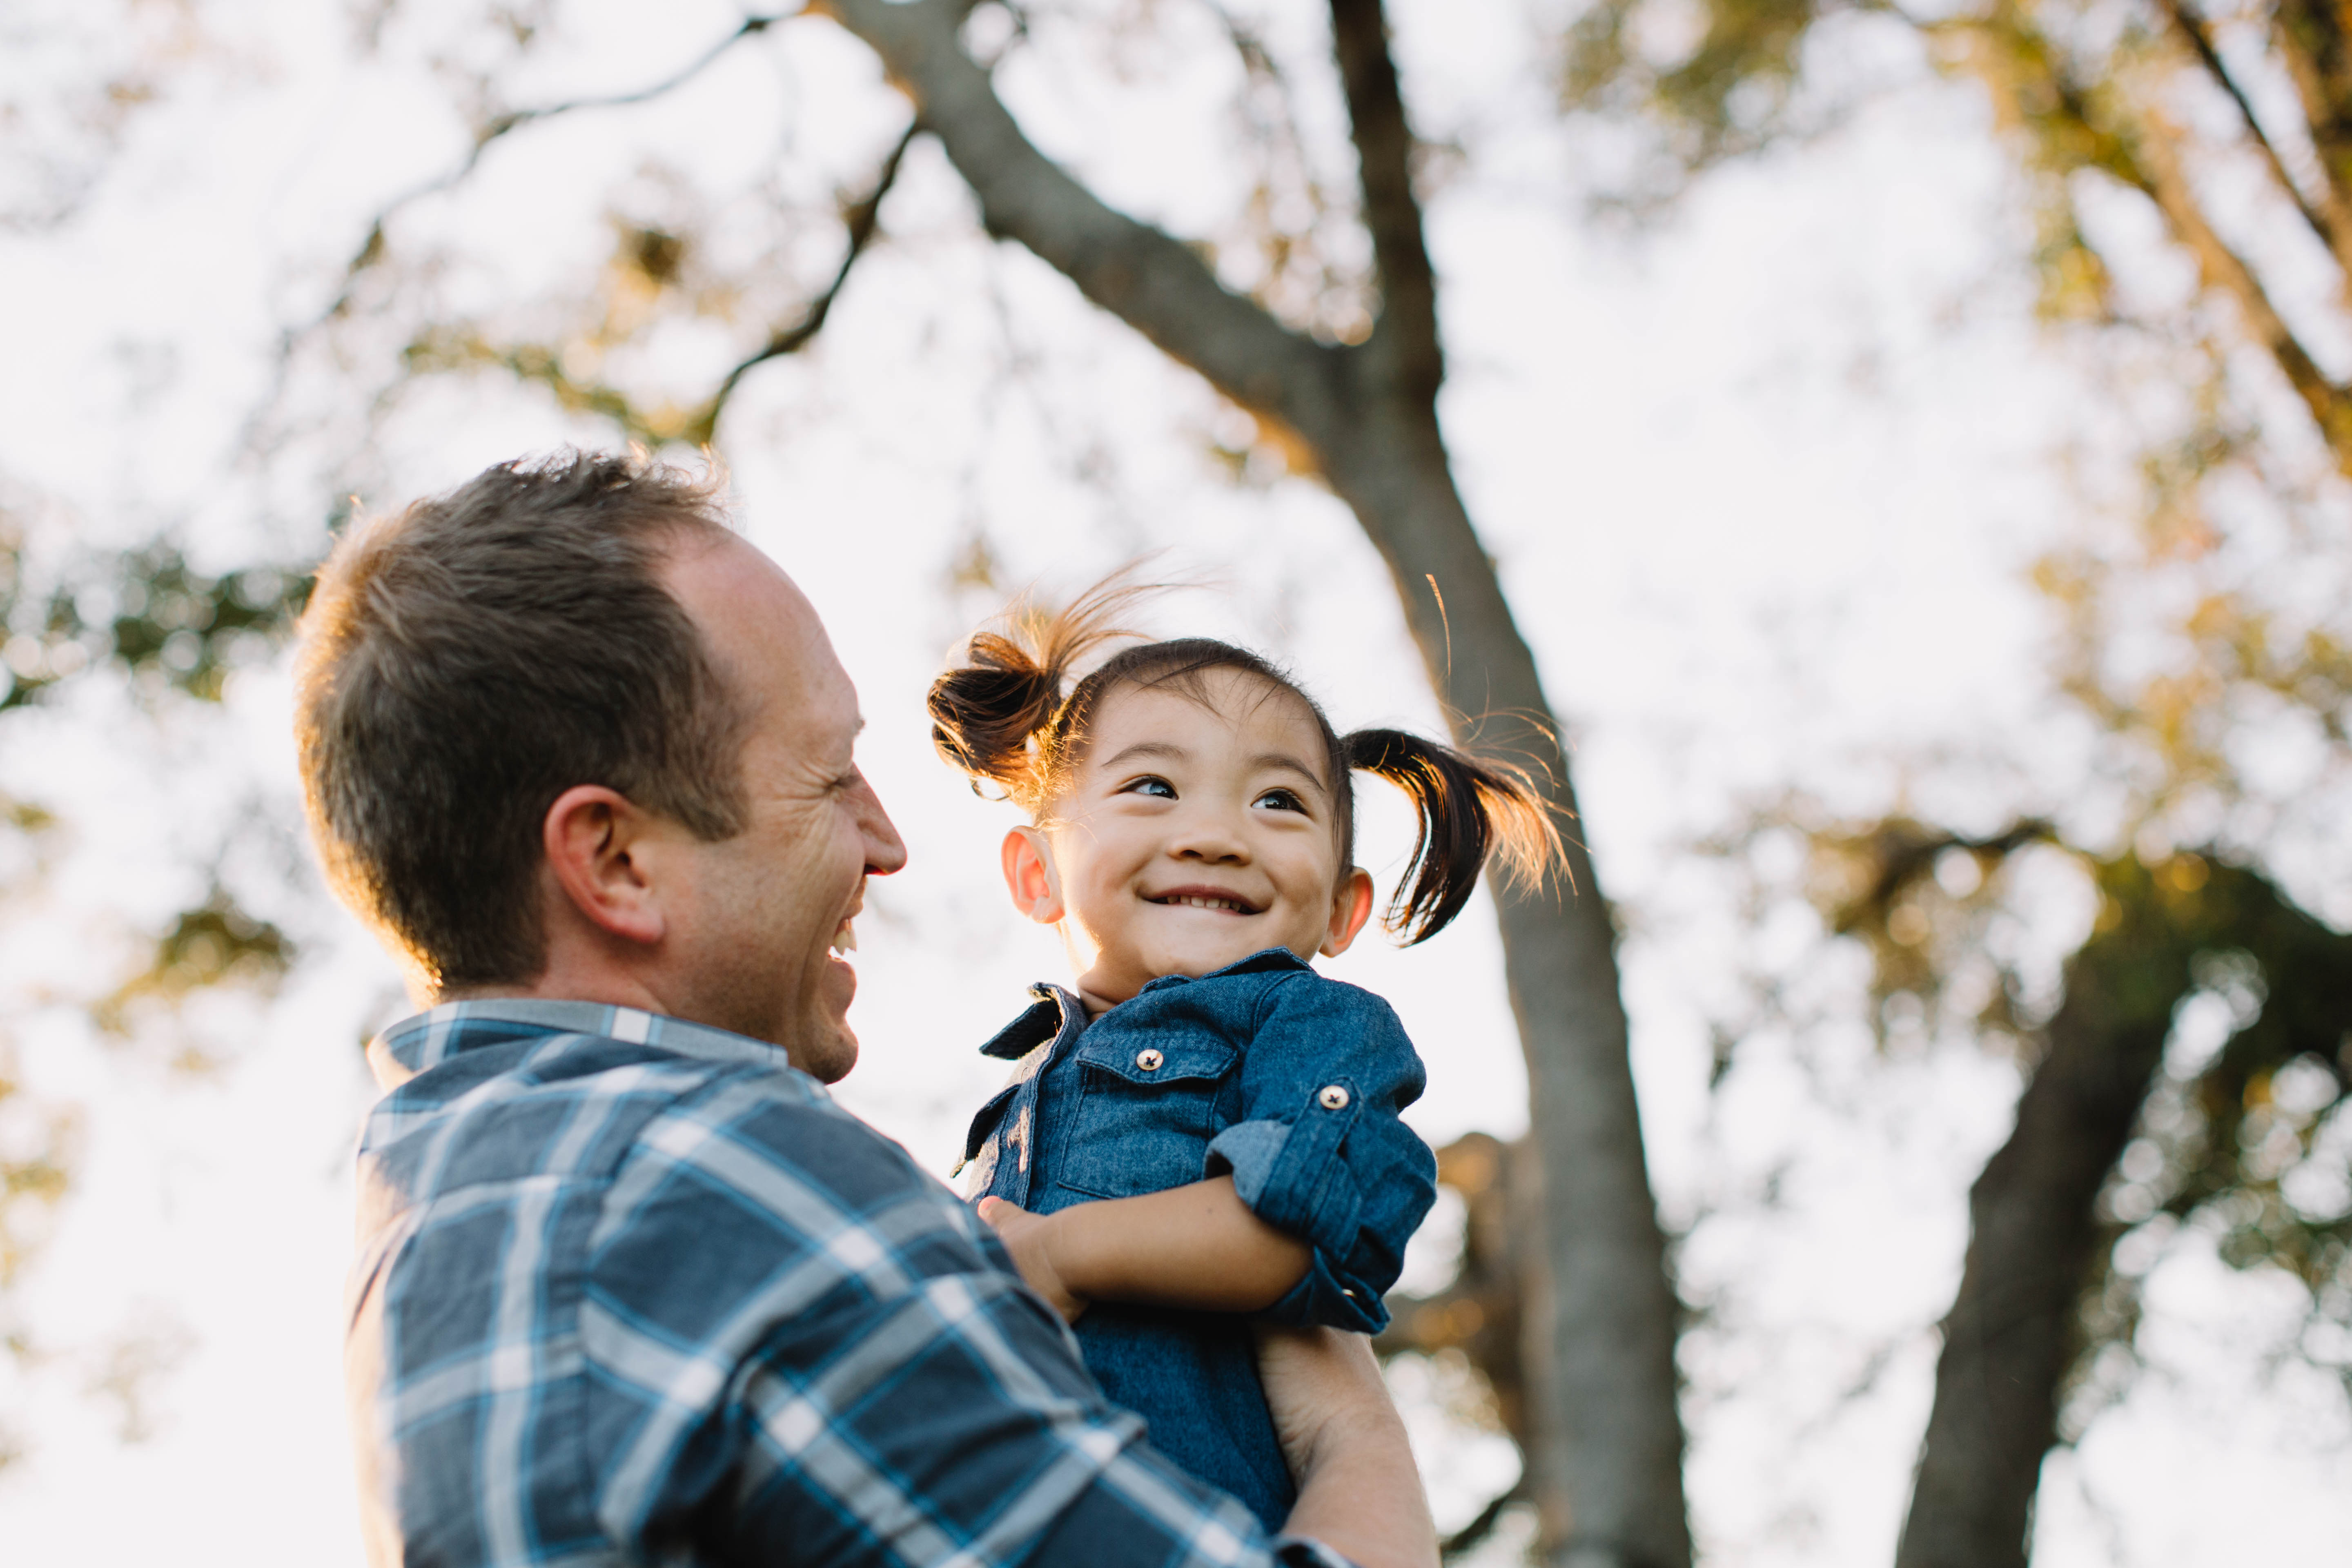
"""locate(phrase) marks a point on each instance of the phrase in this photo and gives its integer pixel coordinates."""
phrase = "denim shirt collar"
(425, 1040)
(1058, 1014)
(1256, 963)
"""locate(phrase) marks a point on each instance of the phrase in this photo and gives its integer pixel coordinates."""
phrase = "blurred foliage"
(146, 611)
(213, 944)
(2208, 595)
(78, 73)
(166, 631)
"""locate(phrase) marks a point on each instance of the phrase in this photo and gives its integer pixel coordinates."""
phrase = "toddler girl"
(1201, 1130)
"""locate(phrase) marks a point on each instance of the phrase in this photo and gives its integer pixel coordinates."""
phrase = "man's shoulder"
(579, 1107)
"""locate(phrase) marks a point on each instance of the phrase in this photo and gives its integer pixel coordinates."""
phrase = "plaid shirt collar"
(424, 1041)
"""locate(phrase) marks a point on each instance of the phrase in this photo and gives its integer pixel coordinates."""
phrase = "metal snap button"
(1148, 1059)
(1332, 1098)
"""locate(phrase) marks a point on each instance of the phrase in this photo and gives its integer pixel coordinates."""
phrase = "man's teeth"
(844, 939)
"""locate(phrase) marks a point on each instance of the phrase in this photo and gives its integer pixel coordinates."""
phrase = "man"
(632, 1288)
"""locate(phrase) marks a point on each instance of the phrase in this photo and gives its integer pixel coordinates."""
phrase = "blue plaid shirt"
(635, 1291)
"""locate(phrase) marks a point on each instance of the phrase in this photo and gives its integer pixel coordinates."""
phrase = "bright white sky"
(1761, 485)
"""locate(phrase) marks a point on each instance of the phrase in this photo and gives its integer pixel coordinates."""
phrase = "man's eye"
(1281, 800)
(1158, 789)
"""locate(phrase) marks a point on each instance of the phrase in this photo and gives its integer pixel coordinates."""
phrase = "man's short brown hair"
(466, 662)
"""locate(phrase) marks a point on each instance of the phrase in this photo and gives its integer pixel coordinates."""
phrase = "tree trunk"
(1607, 1463)
(2034, 1237)
(2015, 1328)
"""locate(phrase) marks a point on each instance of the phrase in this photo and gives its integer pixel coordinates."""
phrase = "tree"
(2236, 432)
(1360, 408)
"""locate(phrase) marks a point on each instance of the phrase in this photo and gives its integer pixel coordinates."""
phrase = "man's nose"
(884, 851)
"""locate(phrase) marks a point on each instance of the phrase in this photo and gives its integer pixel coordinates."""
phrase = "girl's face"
(1191, 835)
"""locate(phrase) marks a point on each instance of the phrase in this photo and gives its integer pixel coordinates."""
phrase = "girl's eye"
(1281, 800)
(1160, 789)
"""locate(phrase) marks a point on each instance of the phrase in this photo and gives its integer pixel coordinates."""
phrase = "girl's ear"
(1350, 906)
(1029, 876)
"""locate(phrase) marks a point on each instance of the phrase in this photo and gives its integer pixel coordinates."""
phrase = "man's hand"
(1030, 1238)
(1359, 1493)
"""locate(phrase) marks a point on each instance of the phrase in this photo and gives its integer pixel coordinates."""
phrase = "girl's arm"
(1196, 1247)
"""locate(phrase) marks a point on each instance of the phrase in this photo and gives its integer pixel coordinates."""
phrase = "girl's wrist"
(1068, 1248)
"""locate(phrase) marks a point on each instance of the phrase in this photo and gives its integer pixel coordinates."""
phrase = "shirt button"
(1148, 1059)
(1333, 1096)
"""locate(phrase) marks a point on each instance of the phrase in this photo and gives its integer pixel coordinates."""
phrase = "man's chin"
(825, 1051)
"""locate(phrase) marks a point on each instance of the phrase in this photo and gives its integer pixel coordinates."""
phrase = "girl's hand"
(1029, 1237)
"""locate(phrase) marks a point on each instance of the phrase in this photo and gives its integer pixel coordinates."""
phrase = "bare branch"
(663, 423)
(863, 220)
(1475, 1532)
(1406, 334)
(372, 249)
(2328, 226)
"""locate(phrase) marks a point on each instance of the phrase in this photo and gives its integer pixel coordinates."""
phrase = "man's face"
(768, 907)
(1194, 834)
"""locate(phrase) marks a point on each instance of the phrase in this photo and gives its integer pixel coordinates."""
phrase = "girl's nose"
(1208, 835)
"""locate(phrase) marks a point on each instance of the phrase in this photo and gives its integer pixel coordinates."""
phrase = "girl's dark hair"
(1011, 715)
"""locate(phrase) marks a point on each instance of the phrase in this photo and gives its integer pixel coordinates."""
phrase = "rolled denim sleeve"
(1320, 1151)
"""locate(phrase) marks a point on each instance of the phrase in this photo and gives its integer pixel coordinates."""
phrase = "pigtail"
(987, 712)
(1466, 809)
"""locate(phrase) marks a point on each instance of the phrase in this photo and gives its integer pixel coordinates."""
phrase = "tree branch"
(2310, 38)
(1147, 278)
(2329, 226)
(1406, 332)
(372, 249)
(1475, 1532)
(863, 220)
(2166, 185)
(666, 423)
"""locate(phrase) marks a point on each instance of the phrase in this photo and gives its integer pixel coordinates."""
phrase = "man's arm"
(1196, 1247)
(1359, 1493)
(799, 1347)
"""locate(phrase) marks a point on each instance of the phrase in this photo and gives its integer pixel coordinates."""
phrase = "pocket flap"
(1143, 1058)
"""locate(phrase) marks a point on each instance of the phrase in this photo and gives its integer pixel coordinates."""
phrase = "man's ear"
(594, 839)
(1350, 906)
(1030, 878)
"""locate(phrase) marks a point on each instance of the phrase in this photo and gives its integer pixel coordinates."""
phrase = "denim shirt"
(1264, 1069)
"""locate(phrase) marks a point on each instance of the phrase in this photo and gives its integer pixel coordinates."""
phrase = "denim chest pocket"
(1145, 1114)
